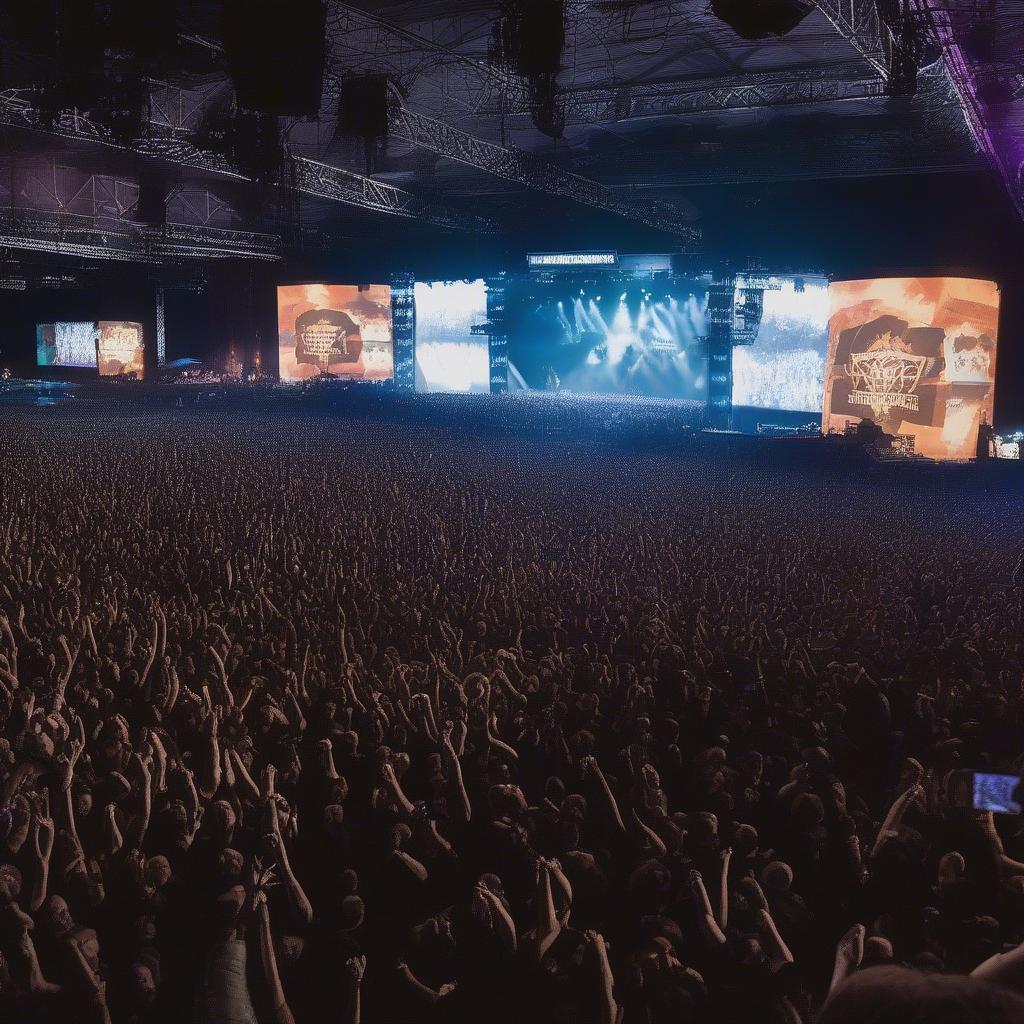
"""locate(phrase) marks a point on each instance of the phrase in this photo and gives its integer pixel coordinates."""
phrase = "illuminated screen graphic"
(449, 357)
(337, 329)
(66, 344)
(917, 356)
(785, 366)
(603, 340)
(120, 348)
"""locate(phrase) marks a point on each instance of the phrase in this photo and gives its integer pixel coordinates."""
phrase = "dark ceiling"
(655, 111)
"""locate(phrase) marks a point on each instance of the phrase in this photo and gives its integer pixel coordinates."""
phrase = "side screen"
(68, 343)
(335, 330)
(449, 357)
(121, 349)
(784, 368)
(917, 356)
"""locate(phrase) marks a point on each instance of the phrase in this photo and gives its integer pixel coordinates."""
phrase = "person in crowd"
(378, 718)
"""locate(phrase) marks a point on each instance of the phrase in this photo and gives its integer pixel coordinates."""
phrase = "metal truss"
(316, 179)
(858, 22)
(767, 89)
(71, 235)
(198, 206)
(515, 165)
(173, 107)
(1004, 156)
(35, 231)
(365, 42)
(211, 243)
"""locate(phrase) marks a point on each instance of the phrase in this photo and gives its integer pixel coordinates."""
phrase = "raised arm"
(547, 927)
(461, 805)
(609, 1010)
(355, 968)
(296, 894)
(593, 769)
(895, 816)
(282, 1012)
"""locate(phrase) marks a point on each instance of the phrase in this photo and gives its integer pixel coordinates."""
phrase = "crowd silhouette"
(328, 718)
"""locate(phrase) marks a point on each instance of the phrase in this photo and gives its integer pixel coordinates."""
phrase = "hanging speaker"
(275, 52)
(758, 19)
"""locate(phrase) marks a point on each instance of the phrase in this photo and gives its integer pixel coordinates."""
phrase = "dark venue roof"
(448, 113)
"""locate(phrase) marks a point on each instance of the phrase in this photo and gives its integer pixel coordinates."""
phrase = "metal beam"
(857, 21)
(67, 235)
(368, 43)
(365, 42)
(607, 104)
(310, 177)
(965, 82)
(515, 165)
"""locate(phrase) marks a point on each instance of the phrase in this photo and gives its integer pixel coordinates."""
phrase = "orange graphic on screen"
(337, 330)
(120, 349)
(917, 356)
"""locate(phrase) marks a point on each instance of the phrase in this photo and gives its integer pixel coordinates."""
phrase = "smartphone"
(996, 793)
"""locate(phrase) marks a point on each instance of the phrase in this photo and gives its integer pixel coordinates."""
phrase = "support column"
(497, 334)
(161, 329)
(721, 300)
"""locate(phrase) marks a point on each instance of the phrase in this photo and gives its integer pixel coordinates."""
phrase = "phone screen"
(995, 793)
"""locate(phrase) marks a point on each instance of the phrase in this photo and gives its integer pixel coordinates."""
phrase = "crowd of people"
(327, 718)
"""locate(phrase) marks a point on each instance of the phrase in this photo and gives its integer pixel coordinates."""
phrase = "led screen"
(603, 340)
(120, 349)
(338, 330)
(449, 357)
(66, 344)
(784, 368)
(917, 356)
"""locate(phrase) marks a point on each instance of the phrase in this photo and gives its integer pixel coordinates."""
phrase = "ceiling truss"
(310, 177)
(540, 175)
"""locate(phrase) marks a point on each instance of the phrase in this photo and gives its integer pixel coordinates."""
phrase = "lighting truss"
(211, 243)
(515, 165)
(63, 235)
(363, 41)
(937, 17)
(311, 177)
(607, 104)
(858, 22)
(35, 231)
(317, 179)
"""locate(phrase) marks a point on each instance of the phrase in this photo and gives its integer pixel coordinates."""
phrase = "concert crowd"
(326, 719)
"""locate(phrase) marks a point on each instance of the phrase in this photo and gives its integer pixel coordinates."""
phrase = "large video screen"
(449, 357)
(917, 356)
(121, 349)
(335, 329)
(601, 339)
(68, 343)
(784, 368)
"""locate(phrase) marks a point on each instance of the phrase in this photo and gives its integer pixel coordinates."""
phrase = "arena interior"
(511, 511)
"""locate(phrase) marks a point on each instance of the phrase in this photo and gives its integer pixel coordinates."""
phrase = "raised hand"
(849, 954)
(355, 968)
(42, 836)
